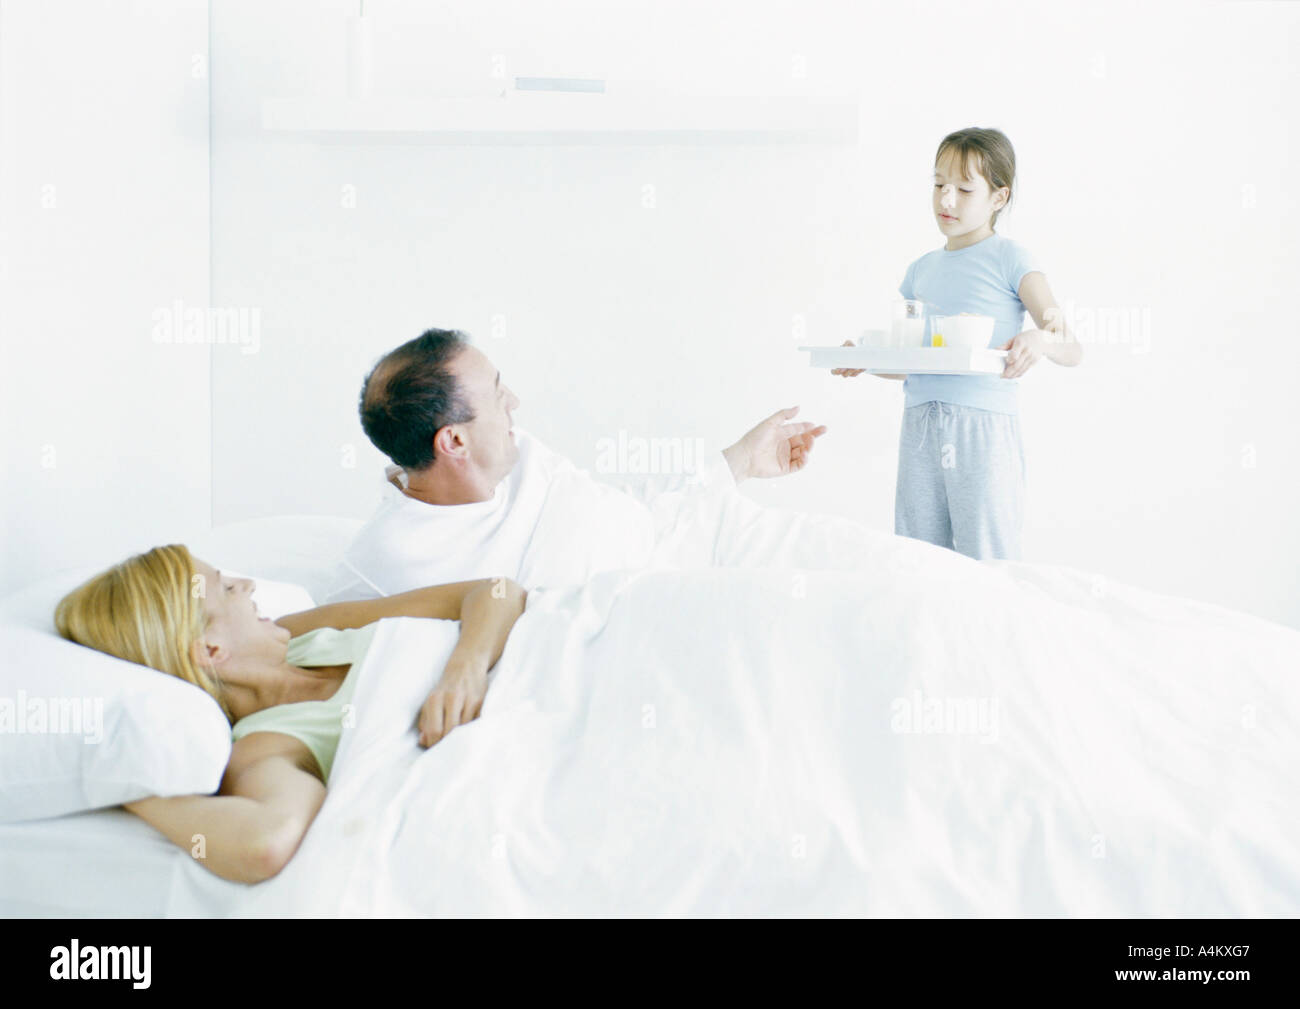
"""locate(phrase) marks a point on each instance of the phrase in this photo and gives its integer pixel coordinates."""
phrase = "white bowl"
(972, 332)
(876, 339)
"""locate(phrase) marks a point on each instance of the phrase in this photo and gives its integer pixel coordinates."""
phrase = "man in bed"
(469, 495)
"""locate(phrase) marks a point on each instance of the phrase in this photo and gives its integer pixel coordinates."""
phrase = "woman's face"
(961, 204)
(235, 633)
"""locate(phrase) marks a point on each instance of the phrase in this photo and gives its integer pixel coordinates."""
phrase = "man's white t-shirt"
(547, 523)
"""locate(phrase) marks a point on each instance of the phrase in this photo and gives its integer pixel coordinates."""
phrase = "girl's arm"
(1058, 344)
(855, 372)
(246, 833)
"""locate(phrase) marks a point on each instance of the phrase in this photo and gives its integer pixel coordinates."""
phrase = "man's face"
(489, 436)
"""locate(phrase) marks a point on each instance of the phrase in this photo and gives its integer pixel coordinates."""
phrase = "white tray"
(911, 360)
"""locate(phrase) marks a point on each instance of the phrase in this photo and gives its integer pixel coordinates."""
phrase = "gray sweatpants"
(961, 480)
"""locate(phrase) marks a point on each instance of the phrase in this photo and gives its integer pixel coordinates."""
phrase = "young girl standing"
(961, 463)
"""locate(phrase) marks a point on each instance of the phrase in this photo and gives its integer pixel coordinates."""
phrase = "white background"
(1156, 145)
(103, 219)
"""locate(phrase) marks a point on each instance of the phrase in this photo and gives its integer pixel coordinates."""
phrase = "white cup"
(968, 331)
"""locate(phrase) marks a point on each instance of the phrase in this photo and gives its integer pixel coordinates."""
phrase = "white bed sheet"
(102, 864)
(1123, 717)
(1142, 764)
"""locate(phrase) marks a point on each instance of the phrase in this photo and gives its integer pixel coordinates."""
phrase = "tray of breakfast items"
(920, 343)
(911, 360)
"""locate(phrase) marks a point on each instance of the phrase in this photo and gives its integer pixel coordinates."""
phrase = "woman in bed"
(283, 684)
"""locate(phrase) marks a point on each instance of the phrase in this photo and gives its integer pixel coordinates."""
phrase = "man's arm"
(773, 447)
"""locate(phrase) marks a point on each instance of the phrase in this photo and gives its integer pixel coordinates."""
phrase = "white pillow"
(113, 731)
(305, 550)
(80, 730)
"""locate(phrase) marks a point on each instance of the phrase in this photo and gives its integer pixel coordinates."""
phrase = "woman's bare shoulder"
(252, 749)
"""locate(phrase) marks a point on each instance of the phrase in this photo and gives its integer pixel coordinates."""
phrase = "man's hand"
(1024, 350)
(773, 448)
(456, 700)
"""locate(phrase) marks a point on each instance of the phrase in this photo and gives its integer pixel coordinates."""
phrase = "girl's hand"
(456, 700)
(848, 372)
(1023, 352)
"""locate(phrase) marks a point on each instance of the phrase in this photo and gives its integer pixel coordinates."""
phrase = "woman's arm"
(487, 609)
(246, 833)
(442, 602)
(488, 614)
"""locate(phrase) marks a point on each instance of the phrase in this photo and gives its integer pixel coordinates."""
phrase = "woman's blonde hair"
(147, 610)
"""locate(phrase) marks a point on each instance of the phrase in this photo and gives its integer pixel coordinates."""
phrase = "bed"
(933, 737)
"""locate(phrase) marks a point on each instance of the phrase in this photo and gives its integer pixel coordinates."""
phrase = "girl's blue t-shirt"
(983, 279)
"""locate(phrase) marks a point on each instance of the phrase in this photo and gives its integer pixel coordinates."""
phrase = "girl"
(282, 685)
(961, 462)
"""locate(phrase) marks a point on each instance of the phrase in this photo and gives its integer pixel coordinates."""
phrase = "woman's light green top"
(317, 723)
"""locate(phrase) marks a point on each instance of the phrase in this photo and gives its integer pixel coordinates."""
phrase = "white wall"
(1154, 142)
(103, 219)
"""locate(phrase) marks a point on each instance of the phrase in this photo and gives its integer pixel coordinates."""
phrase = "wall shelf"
(540, 118)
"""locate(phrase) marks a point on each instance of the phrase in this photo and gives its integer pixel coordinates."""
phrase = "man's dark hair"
(410, 395)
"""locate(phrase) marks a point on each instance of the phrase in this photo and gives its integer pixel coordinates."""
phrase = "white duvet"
(933, 736)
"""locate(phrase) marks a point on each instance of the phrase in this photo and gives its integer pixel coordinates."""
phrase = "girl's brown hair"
(982, 152)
